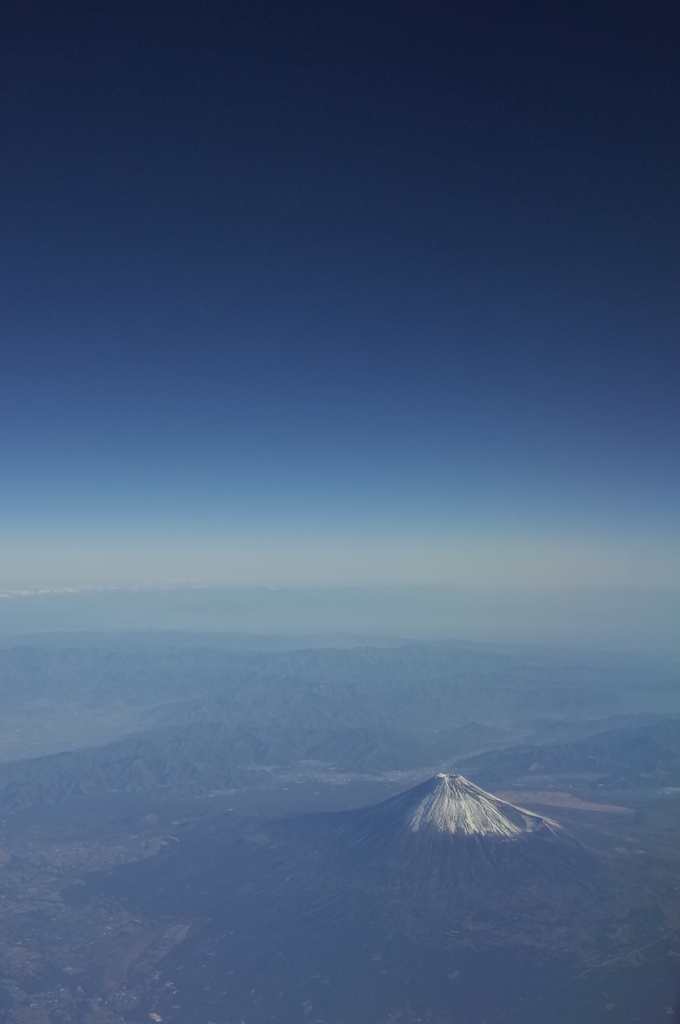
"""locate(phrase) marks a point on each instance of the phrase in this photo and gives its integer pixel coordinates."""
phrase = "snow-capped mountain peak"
(452, 804)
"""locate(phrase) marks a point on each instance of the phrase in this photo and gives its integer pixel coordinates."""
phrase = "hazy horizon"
(635, 620)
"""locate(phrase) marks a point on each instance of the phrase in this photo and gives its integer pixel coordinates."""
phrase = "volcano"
(449, 829)
(446, 862)
(450, 805)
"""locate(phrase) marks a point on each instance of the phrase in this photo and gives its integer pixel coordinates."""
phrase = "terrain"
(421, 832)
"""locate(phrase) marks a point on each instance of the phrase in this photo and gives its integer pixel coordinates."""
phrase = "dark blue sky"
(350, 292)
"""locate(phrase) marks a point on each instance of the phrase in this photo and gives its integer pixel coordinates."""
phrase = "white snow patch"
(456, 805)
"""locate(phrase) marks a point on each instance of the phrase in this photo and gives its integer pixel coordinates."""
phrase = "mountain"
(178, 763)
(450, 825)
(204, 757)
(444, 844)
(449, 806)
(443, 862)
(207, 756)
(644, 757)
(397, 708)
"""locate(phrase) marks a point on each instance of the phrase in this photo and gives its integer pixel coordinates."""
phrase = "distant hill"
(369, 708)
(646, 756)
(172, 765)
(205, 757)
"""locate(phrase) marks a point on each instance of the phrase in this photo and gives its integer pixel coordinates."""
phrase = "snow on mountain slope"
(450, 828)
(450, 803)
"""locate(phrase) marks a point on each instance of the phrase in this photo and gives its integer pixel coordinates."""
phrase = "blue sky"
(304, 295)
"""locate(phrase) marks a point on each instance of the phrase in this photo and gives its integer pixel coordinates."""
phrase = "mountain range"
(205, 757)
